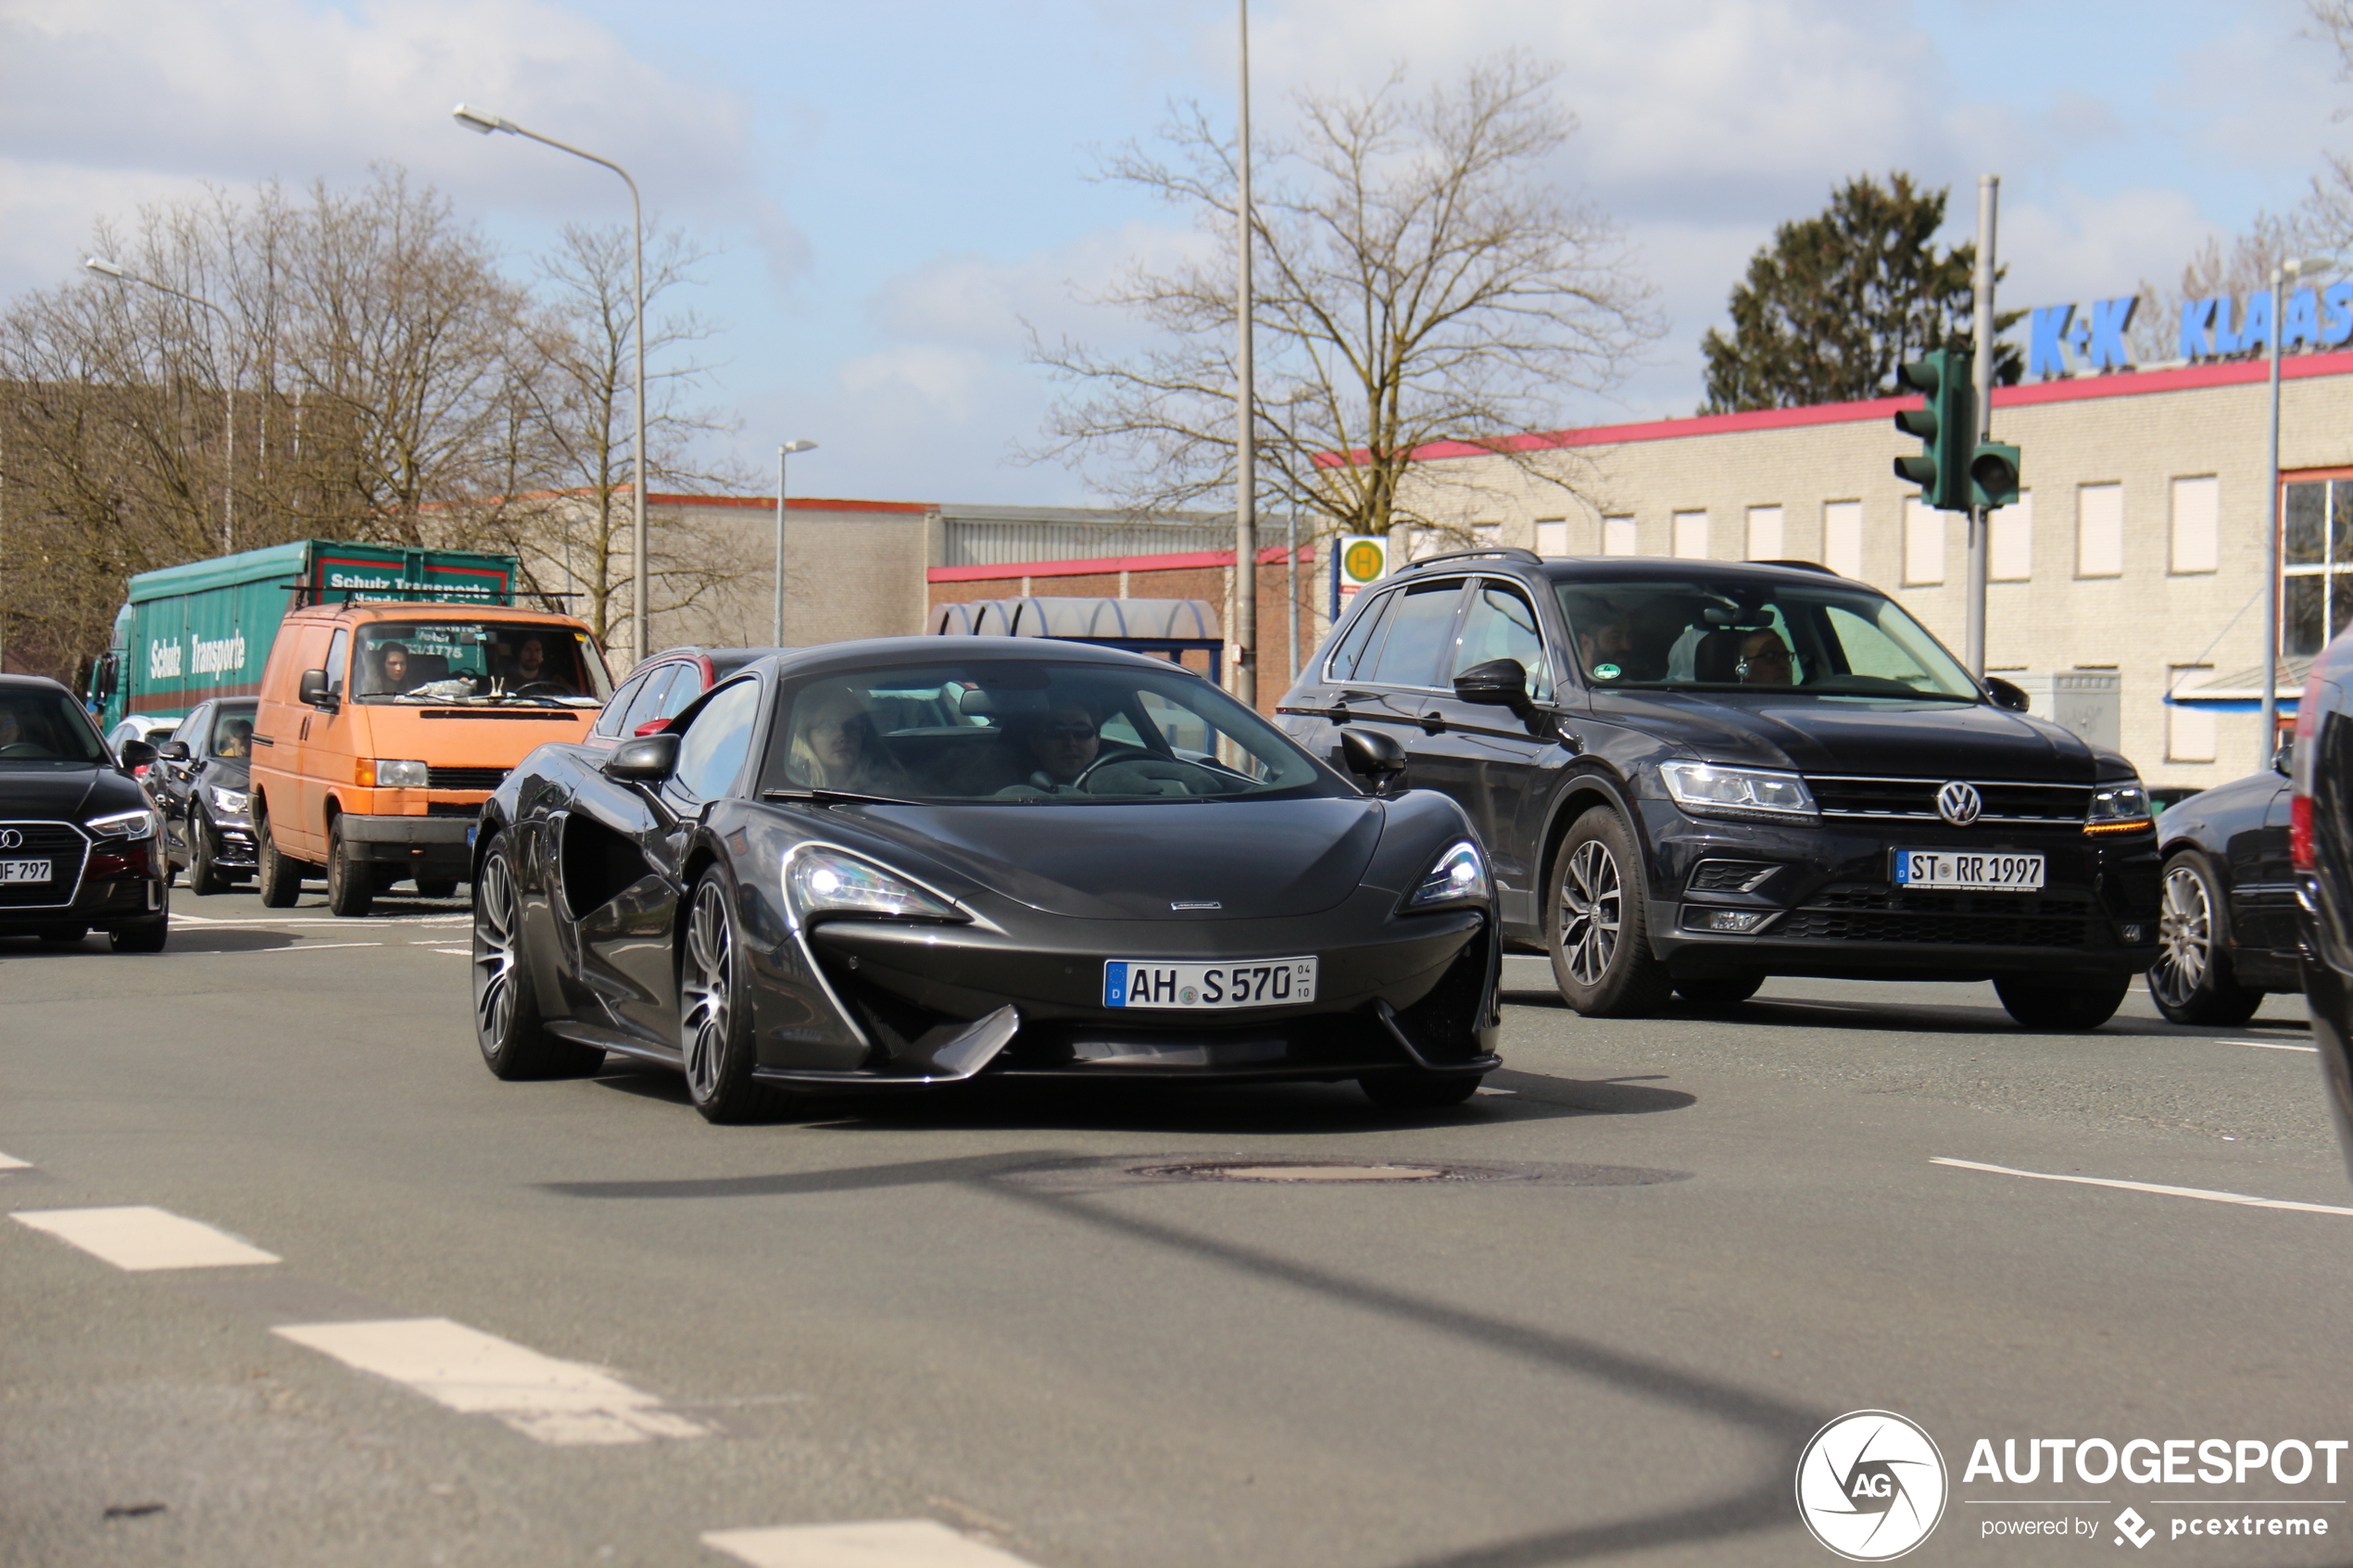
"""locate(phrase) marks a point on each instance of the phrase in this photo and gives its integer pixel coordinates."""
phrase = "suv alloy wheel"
(1600, 949)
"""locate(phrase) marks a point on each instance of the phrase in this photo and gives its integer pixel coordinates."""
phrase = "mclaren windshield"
(1822, 639)
(464, 661)
(1027, 732)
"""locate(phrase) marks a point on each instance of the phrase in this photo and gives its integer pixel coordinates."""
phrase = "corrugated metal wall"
(967, 539)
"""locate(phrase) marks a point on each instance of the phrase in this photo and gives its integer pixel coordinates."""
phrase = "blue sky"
(895, 184)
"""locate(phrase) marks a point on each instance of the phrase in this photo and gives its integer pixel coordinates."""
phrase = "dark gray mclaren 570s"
(913, 862)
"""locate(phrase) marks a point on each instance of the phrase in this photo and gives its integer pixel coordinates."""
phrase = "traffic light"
(1946, 425)
(1992, 475)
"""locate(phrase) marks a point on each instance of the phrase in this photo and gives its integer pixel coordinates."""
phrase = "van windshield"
(1815, 639)
(477, 661)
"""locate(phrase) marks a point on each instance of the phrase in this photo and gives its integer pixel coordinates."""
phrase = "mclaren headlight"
(124, 826)
(1459, 877)
(1710, 789)
(821, 881)
(2119, 806)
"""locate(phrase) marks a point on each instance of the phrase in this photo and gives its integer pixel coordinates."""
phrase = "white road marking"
(140, 1238)
(10, 1163)
(892, 1543)
(2206, 1193)
(343, 922)
(453, 952)
(297, 947)
(563, 1404)
(2270, 1046)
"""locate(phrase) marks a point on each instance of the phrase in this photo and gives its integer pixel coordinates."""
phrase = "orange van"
(383, 728)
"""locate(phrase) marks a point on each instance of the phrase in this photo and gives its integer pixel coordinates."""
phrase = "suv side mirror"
(1373, 755)
(315, 692)
(2284, 760)
(174, 751)
(648, 759)
(2004, 695)
(139, 753)
(1499, 683)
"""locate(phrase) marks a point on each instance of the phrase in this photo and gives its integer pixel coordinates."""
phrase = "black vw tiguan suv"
(1692, 775)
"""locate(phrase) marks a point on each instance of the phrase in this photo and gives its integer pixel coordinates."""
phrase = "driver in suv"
(1694, 775)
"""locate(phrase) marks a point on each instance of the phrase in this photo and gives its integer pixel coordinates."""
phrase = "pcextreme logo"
(1870, 1485)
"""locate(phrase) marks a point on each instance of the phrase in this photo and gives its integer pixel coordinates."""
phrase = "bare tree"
(1422, 279)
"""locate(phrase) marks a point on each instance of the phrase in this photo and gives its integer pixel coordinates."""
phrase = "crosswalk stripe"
(139, 1239)
(891, 1543)
(565, 1404)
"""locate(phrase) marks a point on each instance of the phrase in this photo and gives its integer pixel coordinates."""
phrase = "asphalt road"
(569, 1322)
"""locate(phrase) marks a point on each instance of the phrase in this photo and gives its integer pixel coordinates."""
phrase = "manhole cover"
(1255, 1168)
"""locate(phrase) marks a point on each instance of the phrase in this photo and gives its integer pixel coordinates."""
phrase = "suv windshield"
(1819, 639)
(1022, 730)
(476, 662)
(43, 729)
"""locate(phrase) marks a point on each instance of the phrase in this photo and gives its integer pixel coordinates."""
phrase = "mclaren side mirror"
(137, 753)
(1373, 756)
(1499, 683)
(648, 760)
(2004, 695)
(174, 751)
(315, 692)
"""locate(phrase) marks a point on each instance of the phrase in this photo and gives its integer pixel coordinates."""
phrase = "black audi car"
(200, 784)
(909, 862)
(77, 837)
(1690, 776)
(2227, 931)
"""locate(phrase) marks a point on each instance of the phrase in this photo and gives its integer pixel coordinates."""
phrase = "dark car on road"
(2227, 931)
(77, 839)
(2320, 849)
(201, 784)
(1692, 775)
(661, 687)
(894, 864)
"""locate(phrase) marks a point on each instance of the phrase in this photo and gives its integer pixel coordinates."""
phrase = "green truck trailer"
(204, 630)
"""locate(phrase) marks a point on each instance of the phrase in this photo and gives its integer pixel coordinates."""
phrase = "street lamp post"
(2269, 741)
(787, 450)
(484, 122)
(1246, 425)
(121, 274)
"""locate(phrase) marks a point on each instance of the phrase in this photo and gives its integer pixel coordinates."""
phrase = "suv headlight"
(231, 801)
(1458, 877)
(130, 826)
(819, 881)
(1711, 789)
(393, 775)
(2120, 806)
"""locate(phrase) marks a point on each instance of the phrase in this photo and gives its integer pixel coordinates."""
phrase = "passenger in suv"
(1694, 775)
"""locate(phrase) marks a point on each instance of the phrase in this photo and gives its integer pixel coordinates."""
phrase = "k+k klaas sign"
(2066, 339)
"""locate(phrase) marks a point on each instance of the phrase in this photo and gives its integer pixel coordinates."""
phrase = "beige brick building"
(2132, 568)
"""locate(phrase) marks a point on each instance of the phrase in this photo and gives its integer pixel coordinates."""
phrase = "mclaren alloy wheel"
(714, 1023)
(514, 1040)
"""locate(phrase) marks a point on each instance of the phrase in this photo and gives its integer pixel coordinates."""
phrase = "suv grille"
(66, 850)
(1915, 799)
(1968, 919)
(464, 778)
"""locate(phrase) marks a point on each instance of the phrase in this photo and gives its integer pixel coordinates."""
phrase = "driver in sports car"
(1066, 741)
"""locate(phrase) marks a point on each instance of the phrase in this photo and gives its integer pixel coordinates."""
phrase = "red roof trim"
(1102, 566)
(2187, 378)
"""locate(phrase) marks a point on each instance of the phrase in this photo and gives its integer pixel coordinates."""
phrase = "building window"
(1923, 544)
(2189, 731)
(2197, 523)
(1487, 535)
(2317, 556)
(1551, 536)
(1843, 537)
(2099, 531)
(1764, 533)
(1691, 535)
(2009, 541)
(1618, 537)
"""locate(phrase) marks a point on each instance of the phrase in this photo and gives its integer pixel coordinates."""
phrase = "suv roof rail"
(1505, 552)
(1799, 565)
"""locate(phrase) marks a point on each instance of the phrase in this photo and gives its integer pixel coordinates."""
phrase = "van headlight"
(383, 774)
(1713, 790)
(125, 826)
(1459, 877)
(822, 881)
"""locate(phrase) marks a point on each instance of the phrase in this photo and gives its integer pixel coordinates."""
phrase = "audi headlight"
(231, 801)
(1710, 789)
(128, 826)
(2119, 806)
(1459, 877)
(819, 881)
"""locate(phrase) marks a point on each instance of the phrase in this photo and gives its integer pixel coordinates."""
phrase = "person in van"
(392, 668)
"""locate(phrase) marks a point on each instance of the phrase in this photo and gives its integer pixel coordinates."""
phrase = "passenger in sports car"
(834, 745)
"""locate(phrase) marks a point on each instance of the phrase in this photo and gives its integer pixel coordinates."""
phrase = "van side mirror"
(1373, 756)
(2004, 695)
(648, 760)
(1499, 683)
(315, 692)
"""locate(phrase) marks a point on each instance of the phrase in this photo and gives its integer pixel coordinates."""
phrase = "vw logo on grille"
(11, 839)
(1958, 804)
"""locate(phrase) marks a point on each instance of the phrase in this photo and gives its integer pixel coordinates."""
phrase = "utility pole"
(1245, 629)
(1980, 518)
